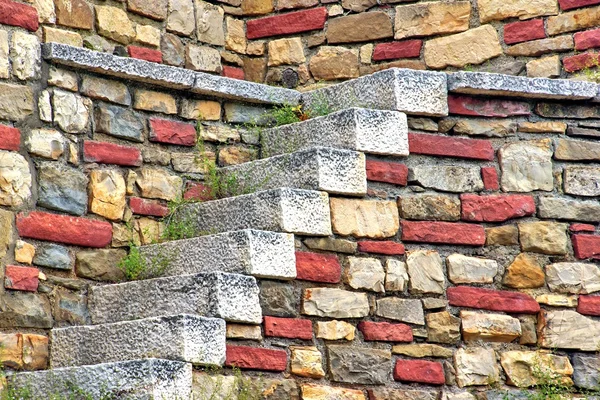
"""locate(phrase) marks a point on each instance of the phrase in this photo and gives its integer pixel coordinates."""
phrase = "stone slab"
(138, 379)
(280, 210)
(188, 338)
(483, 83)
(251, 252)
(231, 297)
(406, 90)
(330, 170)
(359, 129)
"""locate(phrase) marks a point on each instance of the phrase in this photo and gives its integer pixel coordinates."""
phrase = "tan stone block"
(203, 110)
(314, 392)
(361, 27)
(544, 237)
(149, 100)
(104, 89)
(24, 252)
(46, 10)
(366, 53)
(248, 332)
(74, 14)
(335, 330)
(526, 166)
(15, 184)
(62, 36)
(181, 18)
(420, 350)
(332, 63)
(16, 101)
(426, 273)
(46, 143)
(35, 352)
(476, 366)
(235, 155)
(471, 47)
(525, 368)
(506, 235)
(147, 34)
(4, 59)
(113, 23)
(155, 9)
(209, 23)
(557, 300)
(489, 327)
(236, 35)
(443, 327)
(63, 79)
(536, 48)
(306, 362)
(150, 230)
(574, 21)
(6, 228)
(547, 67)
(525, 272)
(257, 7)
(107, 193)
(289, 4)
(286, 52)
(11, 355)
(256, 48)
(155, 183)
(364, 218)
(202, 58)
(496, 10)
(219, 133)
(432, 18)
(543, 127)
(123, 236)
(255, 69)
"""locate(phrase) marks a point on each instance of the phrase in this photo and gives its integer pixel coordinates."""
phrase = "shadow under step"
(188, 338)
(358, 129)
(231, 297)
(137, 379)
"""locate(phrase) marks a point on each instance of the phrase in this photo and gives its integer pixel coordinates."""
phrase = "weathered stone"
(53, 256)
(489, 327)
(586, 373)
(202, 58)
(566, 110)
(331, 63)
(16, 102)
(46, 11)
(236, 35)
(463, 269)
(45, 143)
(331, 244)
(15, 179)
(471, 47)
(235, 155)
(396, 275)
(420, 350)
(405, 310)
(24, 252)
(158, 184)
(558, 208)
(204, 110)
(543, 237)
(155, 101)
(62, 36)
(536, 48)
(523, 368)
(547, 67)
(443, 327)
(71, 309)
(25, 55)
(574, 278)
(432, 18)
(315, 392)
(172, 49)
(101, 265)
(24, 351)
(62, 188)
(64, 79)
(488, 127)
(387, 393)
(567, 329)
(71, 112)
(155, 9)
(4, 60)
(447, 178)
(119, 122)
(494, 10)
(358, 365)
(104, 89)
(576, 150)
(25, 310)
(114, 24)
(74, 14)
(306, 362)
(278, 299)
(557, 300)
(527, 166)
(190, 163)
(543, 127)
(107, 193)
(364, 218)
(582, 180)
(335, 330)
(257, 7)
(365, 273)
(286, 52)
(525, 272)
(181, 17)
(426, 272)
(247, 332)
(428, 207)
(362, 27)
(335, 303)
(506, 235)
(209, 23)
(574, 21)
(476, 366)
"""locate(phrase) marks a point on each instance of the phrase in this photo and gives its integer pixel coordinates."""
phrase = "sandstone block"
(364, 218)
(494, 10)
(476, 366)
(290, 328)
(443, 327)
(113, 23)
(318, 267)
(420, 371)
(352, 364)
(443, 232)
(74, 14)
(573, 21)
(334, 303)
(335, 330)
(543, 237)
(445, 146)
(365, 273)
(432, 18)
(256, 358)
(581, 180)
(463, 269)
(447, 178)
(559, 208)
(489, 327)
(527, 166)
(524, 31)
(316, 392)
(155, 183)
(16, 102)
(71, 112)
(567, 329)
(404, 310)
(496, 208)
(547, 67)
(428, 207)
(155, 9)
(285, 24)
(148, 100)
(16, 181)
(332, 62)
(306, 362)
(107, 193)
(577, 150)
(25, 56)
(100, 265)
(286, 52)
(107, 90)
(361, 27)
(426, 272)
(573, 278)
(525, 272)
(524, 367)
(382, 171)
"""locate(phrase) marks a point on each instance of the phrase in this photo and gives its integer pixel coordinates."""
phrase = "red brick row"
(524, 31)
(318, 267)
(17, 14)
(153, 208)
(290, 328)
(110, 153)
(144, 53)
(388, 172)
(233, 72)
(493, 300)
(586, 246)
(570, 4)
(246, 357)
(419, 371)
(172, 132)
(437, 145)
(395, 50)
(483, 107)
(387, 247)
(285, 24)
(587, 39)
(497, 208)
(385, 332)
(580, 61)
(10, 138)
(589, 305)
(443, 233)
(21, 278)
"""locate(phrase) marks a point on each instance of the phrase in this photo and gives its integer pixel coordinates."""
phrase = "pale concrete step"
(138, 379)
(251, 252)
(304, 212)
(232, 297)
(189, 338)
(319, 168)
(406, 90)
(358, 129)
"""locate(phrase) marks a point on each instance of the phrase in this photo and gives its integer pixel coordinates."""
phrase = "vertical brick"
(489, 175)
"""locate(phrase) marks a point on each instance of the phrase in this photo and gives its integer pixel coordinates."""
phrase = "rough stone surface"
(493, 300)
(62, 188)
(334, 303)
(285, 24)
(582, 180)
(464, 269)
(352, 364)
(543, 237)
(567, 329)
(428, 207)
(496, 208)
(286, 52)
(520, 367)
(15, 182)
(332, 244)
(316, 392)
(404, 310)
(443, 232)
(25, 310)
(573, 21)
(100, 265)
(493, 10)
(16, 101)
(559, 208)
(573, 278)
(155, 183)
(107, 193)
(576, 150)
(585, 373)
(427, 19)
(525, 272)
(334, 330)
(306, 362)
(119, 122)
(476, 366)
(527, 166)
(104, 89)
(46, 143)
(332, 62)
(365, 273)
(489, 327)
(113, 23)
(447, 178)
(364, 218)
(25, 56)
(420, 350)
(209, 23)
(426, 272)
(361, 27)
(443, 327)
(396, 275)
(53, 256)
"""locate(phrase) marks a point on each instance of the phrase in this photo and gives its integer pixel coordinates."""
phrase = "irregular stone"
(358, 365)
(155, 9)
(365, 273)
(362, 27)
(543, 237)
(286, 52)
(488, 128)
(181, 17)
(573, 21)
(306, 362)
(527, 166)
(586, 371)
(494, 10)
(335, 330)
(71, 309)
(53, 256)
(523, 368)
(62, 36)
(113, 23)
(315, 392)
(582, 180)
(205, 110)
(574, 278)
(235, 155)
(209, 23)
(15, 179)
(156, 183)
(574, 111)
(290, 328)
(62, 188)
(567, 329)
(447, 178)
(576, 150)
(547, 67)
(155, 101)
(528, 329)
(25, 310)
(425, 271)
(172, 49)
(427, 19)
(489, 327)
(21, 278)
(101, 265)
(24, 252)
(525, 272)
(202, 58)
(25, 56)
(428, 207)
(331, 244)
(45, 143)
(493, 300)
(236, 35)
(557, 300)
(404, 310)
(247, 332)
(278, 299)
(420, 350)
(104, 89)
(568, 209)
(396, 275)
(16, 102)
(386, 332)
(4, 60)
(334, 303)
(543, 127)
(331, 63)
(364, 218)
(443, 327)
(119, 122)
(74, 14)
(386, 393)
(497, 208)
(463, 269)
(476, 366)
(107, 193)
(506, 235)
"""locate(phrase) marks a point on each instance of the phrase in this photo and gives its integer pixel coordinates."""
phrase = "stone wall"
(301, 42)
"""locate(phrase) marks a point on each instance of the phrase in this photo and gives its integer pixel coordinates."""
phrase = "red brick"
(480, 107)
(420, 371)
(494, 300)
(496, 208)
(17, 14)
(386, 332)
(389, 172)
(570, 4)
(582, 228)
(437, 145)
(21, 278)
(110, 153)
(589, 305)
(381, 247)
(586, 246)
(10, 138)
(289, 328)
(443, 232)
(524, 31)
(587, 39)
(318, 267)
(489, 175)
(256, 358)
(172, 132)
(154, 208)
(285, 24)
(143, 53)
(233, 72)
(197, 191)
(580, 61)
(394, 50)
(63, 229)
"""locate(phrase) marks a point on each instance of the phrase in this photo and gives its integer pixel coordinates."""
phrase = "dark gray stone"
(586, 373)
(62, 188)
(53, 256)
(25, 310)
(351, 364)
(238, 113)
(289, 78)
(278, 299)
(71, 309)
(119, 122)
(562, 110)
(577, 131)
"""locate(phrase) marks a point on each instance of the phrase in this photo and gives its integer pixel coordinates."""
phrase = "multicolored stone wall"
(297, 43)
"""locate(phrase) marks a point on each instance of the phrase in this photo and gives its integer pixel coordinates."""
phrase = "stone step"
(251, 252)
(358, 129)
(320, 168)
(189, 338)
(407, 90)
(137, 379)
(231, 297)
(304, 212)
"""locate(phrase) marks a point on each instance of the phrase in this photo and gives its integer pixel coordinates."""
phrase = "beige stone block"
(155, 9)
(203, 110)
(315, 392)
(432, 18)
(6, 230)
(45, 9)
(489, 327)
(335, 330)
(107, 193)
(61, 36)
(149, 100)
(525, 368)
(236, 35)
(574, 21)
(257, 7)
(363, 27)
(46, 143)
(4, 60)
(426, 273)
(331, 63)
(536, 48)
(286, 52)
(248, 332)
(202, 58)
(420, 350)
(476, 366)
(155, 183)
(181, 17)
(543, 127)
(15, 183)
(16, 101)
(113, 23)
(147, 34)
(496, 10)
(544, 237)
(364, 218)
(24, 252)
(547, 67)
(525, 272)
(306, 362)
(209, 23)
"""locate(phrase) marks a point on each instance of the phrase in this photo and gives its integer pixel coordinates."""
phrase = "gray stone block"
(519, 86)
(352, 364)
(53, 256)
(231, 297)
(369, 131)
(398, 89)
(304, 212)
(586, 371)
(330, 170)
(139, 379)
(447, 178)
(569, 209)
(188, 338)
(251, 252)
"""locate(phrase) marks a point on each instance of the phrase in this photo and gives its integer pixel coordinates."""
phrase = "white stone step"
(232, 297)
(304, 212)
(407, 90)
(137, 379)
(358, 129)
(252, 252)
(320, 168)
(189, 338)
